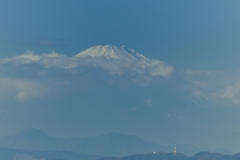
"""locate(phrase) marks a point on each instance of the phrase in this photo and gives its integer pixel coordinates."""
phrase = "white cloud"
(231, 92)
(158, 68)
(20, 89)
(20, 78)
(211, 86)
(146, 67)
(148, 102)
(137, 68)
(214, 86)
(51, 60)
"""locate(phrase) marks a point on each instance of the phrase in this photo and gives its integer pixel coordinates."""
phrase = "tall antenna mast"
(175, 150)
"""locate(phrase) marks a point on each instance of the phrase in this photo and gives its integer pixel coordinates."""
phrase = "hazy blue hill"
(178, 156)
(187, 149)
(209, 156)
(20, 154)
(158, 156)
(235, 157)
(23, 154)
(221, 150)
(32, 138)
(115, 144)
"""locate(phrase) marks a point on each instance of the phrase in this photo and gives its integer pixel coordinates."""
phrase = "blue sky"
(42, 86)
(173, 31)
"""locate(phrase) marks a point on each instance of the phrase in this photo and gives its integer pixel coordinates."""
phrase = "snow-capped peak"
(109, 51)
(119, 60)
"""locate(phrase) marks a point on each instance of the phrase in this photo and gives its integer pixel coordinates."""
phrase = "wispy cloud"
(148, 102)
(20, 89)
(214, 86)
(51, 60)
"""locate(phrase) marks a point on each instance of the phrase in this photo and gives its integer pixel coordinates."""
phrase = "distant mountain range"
(20, 154)
(178, 156)
(113, 144)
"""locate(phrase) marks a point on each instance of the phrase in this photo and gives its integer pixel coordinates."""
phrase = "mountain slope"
(122, 60)
(150, 156)
(113, 144)
(178, 156)
(109, 51)
(32, 138)
(19, 154)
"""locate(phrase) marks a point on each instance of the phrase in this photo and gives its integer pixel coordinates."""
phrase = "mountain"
(187, 149)
(150, 156)
(122, 60)
(210, 156)
(113, 144)
(190, 150)
(109, 51)
(20, 154)
(178, 156)
(32, 138)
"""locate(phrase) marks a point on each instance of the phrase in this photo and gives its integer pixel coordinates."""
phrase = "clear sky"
(198, 104)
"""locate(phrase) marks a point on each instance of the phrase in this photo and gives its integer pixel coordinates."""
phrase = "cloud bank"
(24, 76)
(146, 67)
(217, 87)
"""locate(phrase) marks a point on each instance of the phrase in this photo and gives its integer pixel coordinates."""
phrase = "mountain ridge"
(178, 156)
(112, 144)
(23, 154)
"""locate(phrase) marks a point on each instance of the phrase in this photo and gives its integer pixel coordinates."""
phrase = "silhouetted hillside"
(113, 144)
(178, 156)
(20, 154)
(158, 156)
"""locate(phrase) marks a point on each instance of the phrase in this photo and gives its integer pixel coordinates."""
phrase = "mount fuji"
(121, 60)
(114, 52)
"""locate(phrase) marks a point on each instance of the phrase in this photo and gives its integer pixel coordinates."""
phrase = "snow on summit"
(110, 51)
(120, 60)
